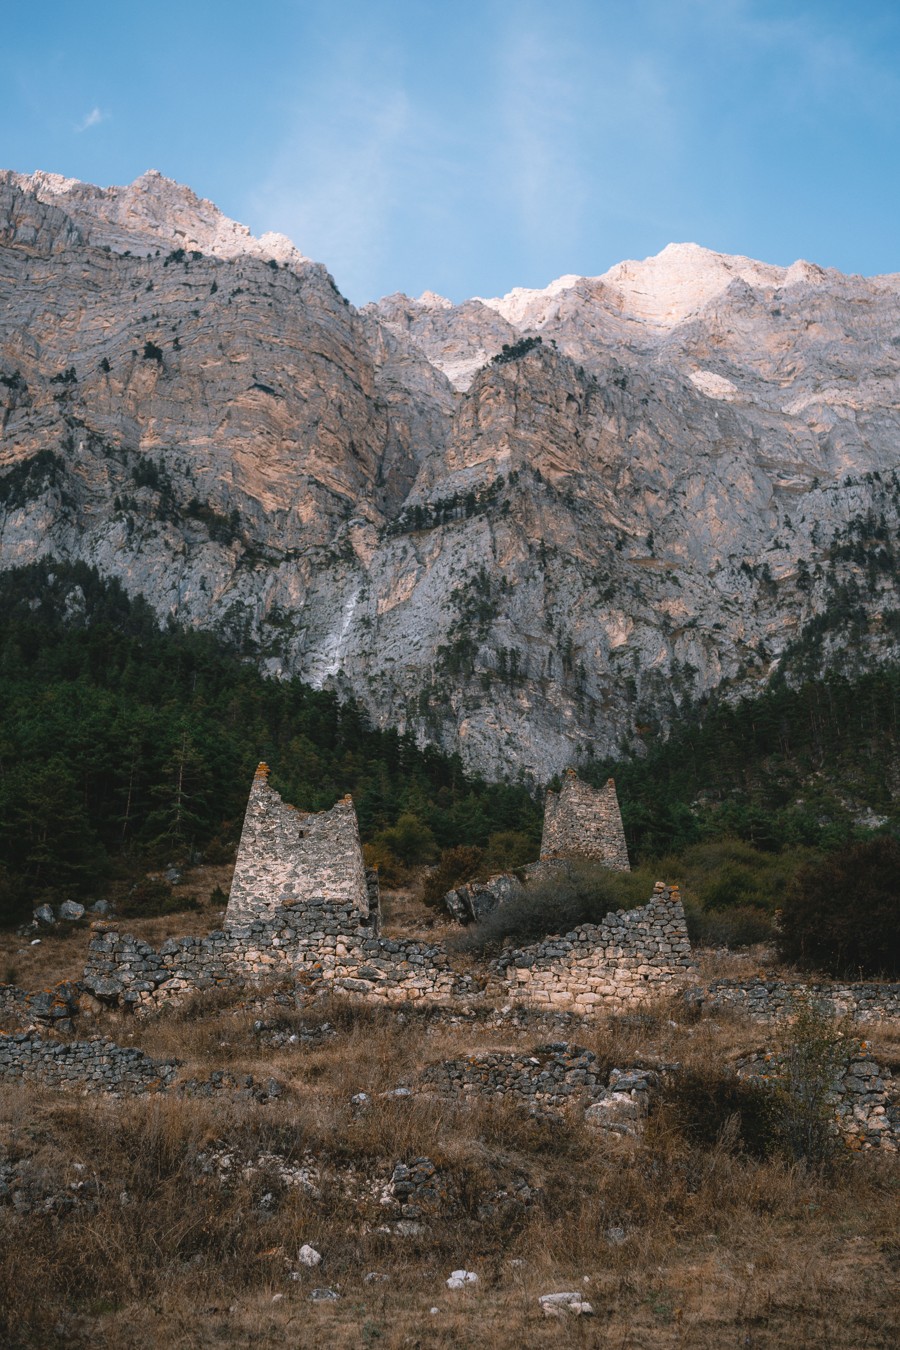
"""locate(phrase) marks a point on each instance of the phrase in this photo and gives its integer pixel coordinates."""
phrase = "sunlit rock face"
(528, 550)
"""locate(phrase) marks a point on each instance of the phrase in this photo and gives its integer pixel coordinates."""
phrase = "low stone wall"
(865, 1099)
(86, 1066)
(629, 958)
(315, 941)
(55, 1007)
(771, 1000)
(550, 1079)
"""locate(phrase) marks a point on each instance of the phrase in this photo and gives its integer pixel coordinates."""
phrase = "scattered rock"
(44, 914)
(461, 1279)
(571, 1303)
(71, 910)
(308, 1256)
(324, 1296)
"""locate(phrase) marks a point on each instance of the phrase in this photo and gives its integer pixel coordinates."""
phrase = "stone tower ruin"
(291, 857)
(584, 822)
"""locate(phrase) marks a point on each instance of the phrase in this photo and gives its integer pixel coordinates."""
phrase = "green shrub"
(842, 914)
(812, 1051)
(457, 866)
(557, 902)
(151, 897)
(739, 926)
(391, 870)
(411, 840)
(507, 850)
(710, 1105)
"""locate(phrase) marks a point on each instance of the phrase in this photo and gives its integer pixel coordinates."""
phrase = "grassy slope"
(719, 1248)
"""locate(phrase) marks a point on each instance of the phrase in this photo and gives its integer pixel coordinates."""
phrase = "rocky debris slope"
(523, 527)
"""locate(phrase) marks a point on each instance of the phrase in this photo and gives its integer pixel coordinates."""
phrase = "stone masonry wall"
(288, 856)
(301, 909)
(627, 959)
(864, 1097)
(91, 1066)
(771, 1000)
(584, 822)
(313, 942)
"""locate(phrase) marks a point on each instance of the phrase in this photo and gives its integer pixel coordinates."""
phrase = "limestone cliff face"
(527, 557)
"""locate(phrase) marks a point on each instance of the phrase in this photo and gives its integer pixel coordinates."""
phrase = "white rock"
(561, 1305)
(460, 1279)
(308, 1256)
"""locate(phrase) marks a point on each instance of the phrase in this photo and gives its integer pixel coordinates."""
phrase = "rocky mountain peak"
(527, 527)
(153, 212)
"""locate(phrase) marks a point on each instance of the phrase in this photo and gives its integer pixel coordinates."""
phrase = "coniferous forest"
(123, 745)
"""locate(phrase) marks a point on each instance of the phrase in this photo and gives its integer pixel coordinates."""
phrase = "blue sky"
(470, 146)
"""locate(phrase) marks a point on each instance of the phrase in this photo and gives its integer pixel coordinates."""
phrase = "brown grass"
(719, 1249)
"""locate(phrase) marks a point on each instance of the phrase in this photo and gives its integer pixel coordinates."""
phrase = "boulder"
(571, 1303)
(473, 901)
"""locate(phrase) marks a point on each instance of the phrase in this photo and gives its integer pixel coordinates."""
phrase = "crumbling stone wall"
(864, 1098)
(54, 1007)
(287, 857)
(314, 942)
(584, 822)
(300, 908)
(552, 1079)
(87, 1066)
(776, 1000)
(627, 959)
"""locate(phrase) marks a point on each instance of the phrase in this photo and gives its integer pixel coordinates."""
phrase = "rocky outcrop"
(475, 900)
(525, 528)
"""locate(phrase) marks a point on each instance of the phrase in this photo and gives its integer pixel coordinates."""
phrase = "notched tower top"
(584, 822)
(291, 857)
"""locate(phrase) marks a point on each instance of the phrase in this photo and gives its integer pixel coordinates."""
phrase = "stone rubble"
(565, 1304)
(552, 1078)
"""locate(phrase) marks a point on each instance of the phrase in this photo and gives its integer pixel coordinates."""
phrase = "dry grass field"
(119, 1227)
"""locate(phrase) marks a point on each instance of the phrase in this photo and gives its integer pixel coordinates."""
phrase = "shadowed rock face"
(524, 559)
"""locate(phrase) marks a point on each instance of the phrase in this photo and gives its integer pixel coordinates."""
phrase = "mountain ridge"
(522, 539)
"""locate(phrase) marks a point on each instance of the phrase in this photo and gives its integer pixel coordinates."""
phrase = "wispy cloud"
(575, 123)
(337, 173)
(91, 119)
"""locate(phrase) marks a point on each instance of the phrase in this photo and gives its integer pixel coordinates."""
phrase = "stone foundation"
(86, 1066)
(315, 943)
(771, 1000)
